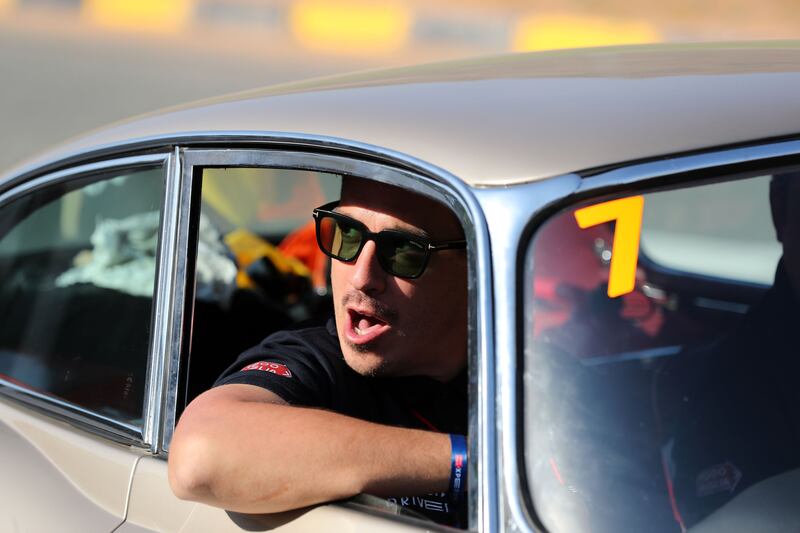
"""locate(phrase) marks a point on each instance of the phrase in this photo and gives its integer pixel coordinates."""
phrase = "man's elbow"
(195, 476)
(190, 470)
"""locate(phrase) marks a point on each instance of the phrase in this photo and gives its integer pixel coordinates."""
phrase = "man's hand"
(242, 448)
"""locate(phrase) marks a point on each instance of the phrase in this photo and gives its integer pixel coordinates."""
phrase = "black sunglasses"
(400, 253)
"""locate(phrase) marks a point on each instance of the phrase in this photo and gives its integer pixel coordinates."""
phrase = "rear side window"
(77, 269)
(662, 353)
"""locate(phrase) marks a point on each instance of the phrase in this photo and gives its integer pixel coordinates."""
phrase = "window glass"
(77, 269)
(660, 380)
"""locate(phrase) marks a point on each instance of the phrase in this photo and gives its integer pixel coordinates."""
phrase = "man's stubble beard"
(384, 313)
(378, 370)
(373, 351)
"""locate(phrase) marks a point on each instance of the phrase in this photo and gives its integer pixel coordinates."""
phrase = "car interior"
(263, 217)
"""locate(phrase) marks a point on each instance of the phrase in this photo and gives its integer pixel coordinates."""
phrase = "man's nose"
(368, 276)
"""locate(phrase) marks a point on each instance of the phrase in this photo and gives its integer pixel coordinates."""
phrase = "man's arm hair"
(243, 448)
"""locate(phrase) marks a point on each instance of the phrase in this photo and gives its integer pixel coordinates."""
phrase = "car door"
(656, 341)
(77, 274)
(253, 205)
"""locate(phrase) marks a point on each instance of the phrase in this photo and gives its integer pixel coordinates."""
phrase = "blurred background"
(67, 66)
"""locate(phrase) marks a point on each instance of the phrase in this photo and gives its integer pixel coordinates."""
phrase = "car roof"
(517, 117)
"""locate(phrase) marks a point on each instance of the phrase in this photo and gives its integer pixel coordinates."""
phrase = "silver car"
(633, 227)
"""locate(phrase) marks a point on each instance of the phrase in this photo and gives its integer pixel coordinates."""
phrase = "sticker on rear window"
(718, 478)
(627, 216)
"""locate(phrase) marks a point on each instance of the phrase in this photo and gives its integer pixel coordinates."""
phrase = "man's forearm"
(234, 451)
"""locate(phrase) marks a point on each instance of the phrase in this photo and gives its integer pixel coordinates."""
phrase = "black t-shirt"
(306, 367)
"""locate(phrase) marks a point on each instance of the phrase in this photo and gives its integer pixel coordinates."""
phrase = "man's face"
(390, 326)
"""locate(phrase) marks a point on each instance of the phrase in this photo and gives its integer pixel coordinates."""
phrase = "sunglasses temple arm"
(447, 245)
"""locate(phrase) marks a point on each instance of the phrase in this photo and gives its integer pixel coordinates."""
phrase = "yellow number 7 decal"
(625, 249)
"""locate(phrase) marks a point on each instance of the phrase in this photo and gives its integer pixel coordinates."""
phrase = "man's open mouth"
(363, 326)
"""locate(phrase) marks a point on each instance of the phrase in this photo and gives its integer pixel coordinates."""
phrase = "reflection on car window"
(77, 269)
(265, 201)
(666, 407)
(709, 240)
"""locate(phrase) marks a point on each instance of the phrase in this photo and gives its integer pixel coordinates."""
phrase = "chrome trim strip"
(657, 169)
(161, 341)
(224, 139)
(63, 175)
(510, 218)
(174, 349)
(91, 420)
(431, 181)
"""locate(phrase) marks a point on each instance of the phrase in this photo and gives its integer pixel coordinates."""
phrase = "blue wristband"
(458, 466)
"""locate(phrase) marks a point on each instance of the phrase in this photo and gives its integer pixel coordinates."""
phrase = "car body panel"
(86, 476)
(153, 507)
(517, 118)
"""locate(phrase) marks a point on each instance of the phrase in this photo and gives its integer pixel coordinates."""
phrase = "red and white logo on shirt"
(269, 366)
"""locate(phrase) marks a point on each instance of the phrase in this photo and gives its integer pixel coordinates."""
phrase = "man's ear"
(778, 204)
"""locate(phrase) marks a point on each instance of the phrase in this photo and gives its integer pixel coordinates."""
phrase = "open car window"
(661, 356)
(258, 267)
(258, 271)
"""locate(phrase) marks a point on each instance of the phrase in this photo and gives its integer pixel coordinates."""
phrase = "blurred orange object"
(302, 245)
(249, 247)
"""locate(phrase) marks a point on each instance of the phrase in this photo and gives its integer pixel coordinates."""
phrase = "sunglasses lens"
(403, 257)
(399, 253)
(339, 239)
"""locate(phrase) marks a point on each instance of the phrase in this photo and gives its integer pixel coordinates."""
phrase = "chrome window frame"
(384, 166)
(510, 217)
(170, 283)
(74, 414)
(512, 240)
